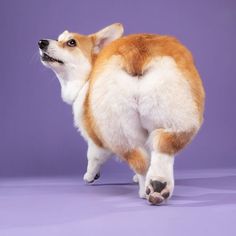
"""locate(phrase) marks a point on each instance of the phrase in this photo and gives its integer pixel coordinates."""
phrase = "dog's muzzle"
(43, 45)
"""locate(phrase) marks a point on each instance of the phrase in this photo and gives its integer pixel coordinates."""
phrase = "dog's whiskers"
(34, 57)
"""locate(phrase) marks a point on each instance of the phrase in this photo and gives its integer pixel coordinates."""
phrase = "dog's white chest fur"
(78, 110)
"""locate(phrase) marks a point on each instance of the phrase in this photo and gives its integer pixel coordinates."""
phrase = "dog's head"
(72, 51)
(71, 56)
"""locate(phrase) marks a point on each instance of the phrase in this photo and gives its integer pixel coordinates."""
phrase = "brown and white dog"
(138, 96)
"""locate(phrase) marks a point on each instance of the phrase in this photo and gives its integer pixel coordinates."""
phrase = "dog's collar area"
(46, 57)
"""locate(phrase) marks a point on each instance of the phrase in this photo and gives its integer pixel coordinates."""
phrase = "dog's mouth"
(47, 58)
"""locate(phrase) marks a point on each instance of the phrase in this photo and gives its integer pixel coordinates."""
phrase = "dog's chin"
(50, 61)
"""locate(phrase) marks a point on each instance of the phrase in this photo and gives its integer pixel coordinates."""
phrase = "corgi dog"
(138, 96)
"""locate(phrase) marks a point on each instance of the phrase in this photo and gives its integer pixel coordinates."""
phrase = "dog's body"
(139, 97)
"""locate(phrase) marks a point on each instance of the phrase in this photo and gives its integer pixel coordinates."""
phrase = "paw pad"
(157, 192)
(97, 176)
(155, 199)
(157, 185)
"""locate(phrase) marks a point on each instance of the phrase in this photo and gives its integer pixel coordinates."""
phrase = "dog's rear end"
(146, 101)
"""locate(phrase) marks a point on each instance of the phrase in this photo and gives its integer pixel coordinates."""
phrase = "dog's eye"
(71, 43)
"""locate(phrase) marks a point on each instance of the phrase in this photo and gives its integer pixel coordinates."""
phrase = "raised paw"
(157, 191)
(88, 178)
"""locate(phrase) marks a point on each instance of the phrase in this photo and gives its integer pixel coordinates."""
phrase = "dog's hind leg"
(164, 145)
(138, 160)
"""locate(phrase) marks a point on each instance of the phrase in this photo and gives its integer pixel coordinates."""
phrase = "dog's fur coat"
(139, 97)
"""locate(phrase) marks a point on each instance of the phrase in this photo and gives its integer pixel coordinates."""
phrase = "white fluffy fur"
(126, 108)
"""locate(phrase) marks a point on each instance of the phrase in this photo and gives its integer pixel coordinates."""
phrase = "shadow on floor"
(208, 191)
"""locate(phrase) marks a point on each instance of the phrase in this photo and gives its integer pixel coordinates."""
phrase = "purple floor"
(204, 203)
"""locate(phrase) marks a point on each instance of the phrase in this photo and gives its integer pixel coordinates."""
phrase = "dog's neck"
(72, 82)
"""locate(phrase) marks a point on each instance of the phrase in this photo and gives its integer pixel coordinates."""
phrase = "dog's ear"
(106, 35)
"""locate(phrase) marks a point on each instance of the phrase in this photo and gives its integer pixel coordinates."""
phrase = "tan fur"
(137, 161)
(136, 52)
(171, 142)
(84, 43)
(89, 123)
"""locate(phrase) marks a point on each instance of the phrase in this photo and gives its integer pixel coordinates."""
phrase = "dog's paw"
(157, 192)
(158, 189)
(89, 178)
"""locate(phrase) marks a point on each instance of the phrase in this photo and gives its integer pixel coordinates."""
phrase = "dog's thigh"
(114, 108)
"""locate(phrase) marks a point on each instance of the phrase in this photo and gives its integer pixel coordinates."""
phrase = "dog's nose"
(43, 44)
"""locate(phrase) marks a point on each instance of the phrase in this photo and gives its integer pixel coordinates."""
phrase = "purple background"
(37, 137)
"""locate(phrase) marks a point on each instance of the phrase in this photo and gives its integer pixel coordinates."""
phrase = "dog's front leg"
(96, 157)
